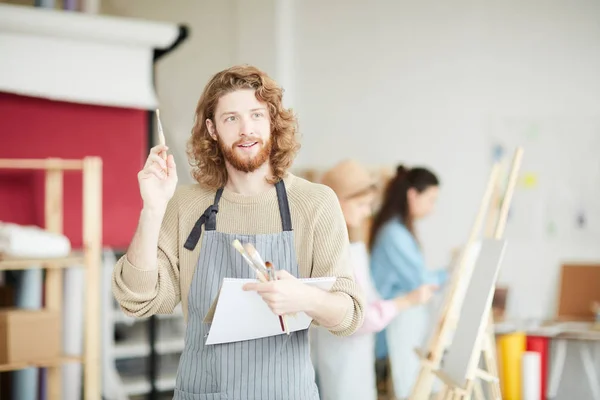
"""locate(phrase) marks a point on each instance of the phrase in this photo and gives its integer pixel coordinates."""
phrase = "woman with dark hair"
(398, 267)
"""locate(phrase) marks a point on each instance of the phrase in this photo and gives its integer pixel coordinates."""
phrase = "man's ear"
(211, 129)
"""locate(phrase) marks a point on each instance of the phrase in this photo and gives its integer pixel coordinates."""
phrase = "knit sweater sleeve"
(143, 290)
(331, 257)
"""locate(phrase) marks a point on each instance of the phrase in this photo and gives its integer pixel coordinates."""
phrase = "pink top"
(379, 313)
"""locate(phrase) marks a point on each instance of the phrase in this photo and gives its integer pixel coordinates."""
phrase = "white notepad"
(243, 315)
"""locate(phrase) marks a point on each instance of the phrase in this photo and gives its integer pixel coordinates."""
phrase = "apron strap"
(209, 217)
(211, 223)
(284, 206)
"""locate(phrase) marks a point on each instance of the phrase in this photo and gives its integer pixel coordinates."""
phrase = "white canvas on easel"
(472, 253)
(465, 350)
(433, 359)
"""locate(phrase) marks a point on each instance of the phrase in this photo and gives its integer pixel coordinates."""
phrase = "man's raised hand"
(157, 179)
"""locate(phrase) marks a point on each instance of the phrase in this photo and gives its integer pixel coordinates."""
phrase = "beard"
(242, 162)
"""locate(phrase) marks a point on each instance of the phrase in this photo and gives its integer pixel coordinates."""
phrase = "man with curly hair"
(242, 145)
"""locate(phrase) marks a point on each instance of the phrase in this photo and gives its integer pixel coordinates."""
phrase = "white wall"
(416, 82)
(420, 82)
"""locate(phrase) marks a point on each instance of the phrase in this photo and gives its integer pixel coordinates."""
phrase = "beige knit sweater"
(320, 233)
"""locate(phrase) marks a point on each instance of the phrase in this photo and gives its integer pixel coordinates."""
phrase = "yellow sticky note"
(529, 180)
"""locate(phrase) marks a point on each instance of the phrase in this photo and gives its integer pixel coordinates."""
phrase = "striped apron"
(273, 368)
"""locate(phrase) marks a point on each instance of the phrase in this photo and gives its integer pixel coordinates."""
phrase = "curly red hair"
(206, 159)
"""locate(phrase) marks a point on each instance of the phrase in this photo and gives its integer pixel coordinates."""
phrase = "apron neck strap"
(284, 206)
(209, 217)
(211, 222)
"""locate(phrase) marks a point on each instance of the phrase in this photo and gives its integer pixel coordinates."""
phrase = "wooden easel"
(449, 313)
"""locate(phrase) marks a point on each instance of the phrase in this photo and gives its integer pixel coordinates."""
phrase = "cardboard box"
(7, 296)
(29, 335)
(579, 289)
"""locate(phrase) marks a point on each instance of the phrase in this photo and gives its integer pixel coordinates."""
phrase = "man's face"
(242, 128)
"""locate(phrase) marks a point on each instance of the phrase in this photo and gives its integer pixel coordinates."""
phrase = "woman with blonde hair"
(345, 366)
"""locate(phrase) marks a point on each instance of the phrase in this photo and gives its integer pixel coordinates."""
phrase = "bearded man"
(242, 145)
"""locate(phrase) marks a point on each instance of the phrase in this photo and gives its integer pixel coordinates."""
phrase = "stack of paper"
(238, 315)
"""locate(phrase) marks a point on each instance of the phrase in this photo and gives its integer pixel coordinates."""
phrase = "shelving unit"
(132, 371)
(88, 256)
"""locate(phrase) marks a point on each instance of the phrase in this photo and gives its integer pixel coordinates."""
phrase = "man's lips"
(247, 145)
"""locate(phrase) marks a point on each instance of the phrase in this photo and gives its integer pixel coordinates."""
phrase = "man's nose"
(246, 127)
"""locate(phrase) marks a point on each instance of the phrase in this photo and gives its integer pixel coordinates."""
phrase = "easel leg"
(490, 357)
(470, 387)
(424, 384)
(478, 391)
(442, 394)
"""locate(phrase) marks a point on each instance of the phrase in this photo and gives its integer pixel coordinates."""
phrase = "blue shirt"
(398, 267)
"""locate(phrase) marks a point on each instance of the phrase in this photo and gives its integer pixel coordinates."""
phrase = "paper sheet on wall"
(243, 315)
(557, 192)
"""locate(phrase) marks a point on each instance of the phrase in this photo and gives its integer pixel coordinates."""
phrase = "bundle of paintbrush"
(259, 267)
(264, 270)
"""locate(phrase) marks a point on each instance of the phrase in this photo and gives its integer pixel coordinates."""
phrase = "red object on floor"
(38, 128)
(541, 345)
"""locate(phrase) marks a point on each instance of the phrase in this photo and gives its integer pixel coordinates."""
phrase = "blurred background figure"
(398, 268)
(345, 366)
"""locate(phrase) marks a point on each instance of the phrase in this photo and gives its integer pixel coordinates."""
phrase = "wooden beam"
(54, 276)
(42, 164)
(92, 238)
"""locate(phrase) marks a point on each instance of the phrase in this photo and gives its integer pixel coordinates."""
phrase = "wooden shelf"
(39, 364)
(89, 258)
(10, 263)
(42, 164)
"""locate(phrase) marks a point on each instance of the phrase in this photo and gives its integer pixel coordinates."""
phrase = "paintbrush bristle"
(250, 249)
(238, 246)
(161, 135)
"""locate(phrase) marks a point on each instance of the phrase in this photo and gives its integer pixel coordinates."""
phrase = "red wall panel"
(40, 128)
